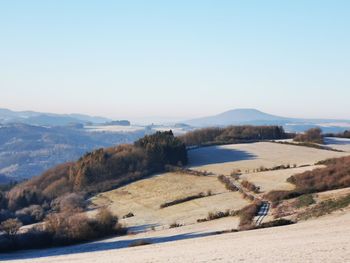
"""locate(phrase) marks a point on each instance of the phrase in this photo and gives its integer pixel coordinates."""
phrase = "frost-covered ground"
(322, 240)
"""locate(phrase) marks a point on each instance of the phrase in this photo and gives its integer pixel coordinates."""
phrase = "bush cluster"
(248, 213)
(184, 199)
(305, 200)
(217, 215)
(335, 175)
(229, 185)
(313, 135)
(175, 225)
(326, 207)
(250, 186)
(61, 228)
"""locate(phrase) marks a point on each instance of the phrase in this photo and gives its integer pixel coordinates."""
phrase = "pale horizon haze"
(176, 59)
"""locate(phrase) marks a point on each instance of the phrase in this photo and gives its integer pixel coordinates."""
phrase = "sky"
(176, 59)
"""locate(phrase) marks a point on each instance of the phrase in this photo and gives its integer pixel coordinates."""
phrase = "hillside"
(50, 119)
(101, 170)
(27, 150)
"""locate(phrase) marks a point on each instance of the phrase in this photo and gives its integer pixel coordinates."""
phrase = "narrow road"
(263, 211)
(264, 208)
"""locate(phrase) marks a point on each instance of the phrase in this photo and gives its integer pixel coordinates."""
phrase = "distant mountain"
(256, 117)
(47, 119)
(238, 116)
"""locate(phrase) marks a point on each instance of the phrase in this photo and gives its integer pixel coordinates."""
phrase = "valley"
(149, 222)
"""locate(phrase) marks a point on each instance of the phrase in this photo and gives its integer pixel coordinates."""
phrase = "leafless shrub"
(31, 214)
(174, 225)
(182, 200)
(72, 203)
(248, 213)
(10, 226)
(250, 186)
(235, 174)
(128, 215)
(313, 135)
(106, 221)
(228, 184)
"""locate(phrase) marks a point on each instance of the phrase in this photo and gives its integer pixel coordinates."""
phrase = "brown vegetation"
(175, 225)
(10, 226)
(325, 207)
(250, 186)
(183, 200)
(313, 135)
(217, 215)
(100, 170)
(69, 228)
(228, 183)
(335, 175)
(128, 215)
(247, 214)
(181, 170)
(275, 223)
(60, 229)
(305, 200)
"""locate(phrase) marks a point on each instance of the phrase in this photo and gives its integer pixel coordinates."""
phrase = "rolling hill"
(238, 116)
(49, 119)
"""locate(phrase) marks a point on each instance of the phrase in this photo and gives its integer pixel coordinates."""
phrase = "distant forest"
(233, 134)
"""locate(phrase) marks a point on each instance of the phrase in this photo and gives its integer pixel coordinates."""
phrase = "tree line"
(233, 134)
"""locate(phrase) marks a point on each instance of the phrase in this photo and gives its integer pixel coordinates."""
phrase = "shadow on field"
(96, 246)
(217, 154)
(337, 141)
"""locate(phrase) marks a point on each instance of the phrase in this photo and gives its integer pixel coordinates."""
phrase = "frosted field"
(322, 240)
(276, 180)
(248, 157)
(114, 128)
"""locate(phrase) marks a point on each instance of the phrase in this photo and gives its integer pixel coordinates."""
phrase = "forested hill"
(101, 170)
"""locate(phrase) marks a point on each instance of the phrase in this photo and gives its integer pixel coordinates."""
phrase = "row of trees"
(233, 134)
(345, 134)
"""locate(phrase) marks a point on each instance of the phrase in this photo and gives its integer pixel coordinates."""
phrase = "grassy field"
(275, 180)
(143, 199)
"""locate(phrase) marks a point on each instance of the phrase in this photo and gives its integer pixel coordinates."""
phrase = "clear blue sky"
(176, 58)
